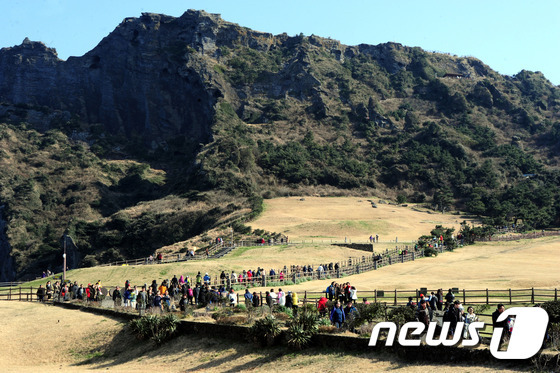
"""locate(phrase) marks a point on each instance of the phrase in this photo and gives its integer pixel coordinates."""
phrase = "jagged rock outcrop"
(153, 77)
(145, 78)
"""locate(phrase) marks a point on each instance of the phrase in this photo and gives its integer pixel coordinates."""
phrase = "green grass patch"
(237, 252)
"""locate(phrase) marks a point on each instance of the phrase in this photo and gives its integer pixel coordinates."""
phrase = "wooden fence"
(218, 250)
(466, 296)
(215, 251)
(10, 284)
(293, 274)
(171, 258)
(390, 297)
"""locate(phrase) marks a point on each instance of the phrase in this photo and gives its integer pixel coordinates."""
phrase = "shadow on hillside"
(213, 353)
(128, 192)
(202, 353)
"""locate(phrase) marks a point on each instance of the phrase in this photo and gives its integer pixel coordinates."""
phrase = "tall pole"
(64, 265)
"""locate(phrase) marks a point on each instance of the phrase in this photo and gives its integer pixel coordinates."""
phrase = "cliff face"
(143, 79)
(155, 77)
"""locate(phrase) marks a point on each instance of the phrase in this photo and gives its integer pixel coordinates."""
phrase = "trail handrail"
(495, 296)
(213, 250)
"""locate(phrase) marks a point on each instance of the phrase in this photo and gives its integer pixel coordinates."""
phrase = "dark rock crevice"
(7, 269)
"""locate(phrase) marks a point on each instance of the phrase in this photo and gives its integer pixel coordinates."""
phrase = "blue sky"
(509, 36)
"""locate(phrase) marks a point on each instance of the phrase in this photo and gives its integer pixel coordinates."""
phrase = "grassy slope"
(77, 341)
(352, 217)
(265, 257)
(519, 264)
(331, 218)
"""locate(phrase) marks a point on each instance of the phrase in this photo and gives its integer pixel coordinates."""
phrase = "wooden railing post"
(395, 297)
(487, 296)
(464, 297)
(532, 295)
(509, 296)
(555, 294)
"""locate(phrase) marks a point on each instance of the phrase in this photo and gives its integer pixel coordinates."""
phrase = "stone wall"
(357, 246)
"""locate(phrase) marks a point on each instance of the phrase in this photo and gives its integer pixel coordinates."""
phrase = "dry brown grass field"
(334, 218)
(43, 338)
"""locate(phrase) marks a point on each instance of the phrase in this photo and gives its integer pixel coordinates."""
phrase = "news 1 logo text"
(525, 341)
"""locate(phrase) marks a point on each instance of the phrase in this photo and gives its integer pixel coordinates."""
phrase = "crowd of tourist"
(453, 310)
(338, 302)
(67, 291)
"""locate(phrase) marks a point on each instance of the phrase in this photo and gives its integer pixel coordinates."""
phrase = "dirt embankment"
(42, 338)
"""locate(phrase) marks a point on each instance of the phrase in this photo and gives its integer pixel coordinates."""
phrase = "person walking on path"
(337, 316)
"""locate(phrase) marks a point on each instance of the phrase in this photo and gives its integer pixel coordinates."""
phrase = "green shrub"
(310, 308)
(307, 320)
(223, 312)
(239, 227)
(401, 315)
(297, 337)
(158, 328)
(430, 251)
(367, 313)
(554, 333)
(264, 332)
(285, 310)
(553, 310)
(301, 329)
